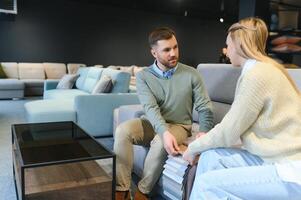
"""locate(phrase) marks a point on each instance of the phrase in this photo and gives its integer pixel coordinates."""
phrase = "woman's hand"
(198, 135)
(192, 159)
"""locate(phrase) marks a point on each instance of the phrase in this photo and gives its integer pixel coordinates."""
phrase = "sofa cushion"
(217, 75)
(67, 81)
(92, 77)
(137, 69)
(104, 85)
(10, 69)
(82, 71)
(11, 84)
(121, 80)
(50, 111)
(54, 70)
(296, 76)
(63, 94)
(139, 158)
(128, 69)
(73, 67)
(31, 71)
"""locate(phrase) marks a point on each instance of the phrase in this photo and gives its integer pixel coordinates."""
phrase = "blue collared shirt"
(167, 74)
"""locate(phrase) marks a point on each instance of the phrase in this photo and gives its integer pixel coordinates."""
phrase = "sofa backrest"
(90, 75)
(10, 69)
(296, 76)
(73, 67)
(121, 80)
(54, 70)
(31, 71)
(91, 79)
(220, 81)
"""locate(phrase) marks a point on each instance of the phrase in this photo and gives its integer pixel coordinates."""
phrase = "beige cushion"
(104, 85)
(55, 70)
(133, 80)
(67, 81)
(10, 69)
(31, 71)
(114, 67)
(128, 69)
(73, 67)
(99, 66)
(137, 69)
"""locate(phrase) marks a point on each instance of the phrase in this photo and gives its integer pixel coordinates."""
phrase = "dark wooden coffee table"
(58, 160)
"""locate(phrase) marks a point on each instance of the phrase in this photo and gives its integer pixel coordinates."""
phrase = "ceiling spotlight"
(221, 20)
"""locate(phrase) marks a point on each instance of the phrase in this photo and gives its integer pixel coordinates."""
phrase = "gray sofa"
(220, 81)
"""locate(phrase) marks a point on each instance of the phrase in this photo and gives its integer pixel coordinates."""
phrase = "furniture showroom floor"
(12, 112)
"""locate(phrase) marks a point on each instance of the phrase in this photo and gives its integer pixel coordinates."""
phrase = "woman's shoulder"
(263, 73)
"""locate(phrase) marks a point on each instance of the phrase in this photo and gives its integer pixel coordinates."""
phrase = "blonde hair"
(250, 37)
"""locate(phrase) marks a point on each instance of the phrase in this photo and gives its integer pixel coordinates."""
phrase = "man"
(168, 90)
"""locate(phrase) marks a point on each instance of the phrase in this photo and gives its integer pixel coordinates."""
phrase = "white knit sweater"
(265, 115)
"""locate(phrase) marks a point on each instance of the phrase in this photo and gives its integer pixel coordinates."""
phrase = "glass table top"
(42, 143)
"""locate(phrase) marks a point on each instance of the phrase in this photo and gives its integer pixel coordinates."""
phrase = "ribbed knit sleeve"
(202, 104)
(248, 102)
(150, 106)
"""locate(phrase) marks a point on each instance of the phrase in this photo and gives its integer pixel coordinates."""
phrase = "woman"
(265, 115)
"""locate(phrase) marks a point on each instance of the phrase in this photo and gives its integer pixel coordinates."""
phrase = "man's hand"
(170, 143)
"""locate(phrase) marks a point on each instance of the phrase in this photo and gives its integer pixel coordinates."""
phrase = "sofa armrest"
(126, 112)
(95, 112)
(50, 84)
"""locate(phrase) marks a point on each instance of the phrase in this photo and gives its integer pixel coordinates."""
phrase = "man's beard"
(168, 64)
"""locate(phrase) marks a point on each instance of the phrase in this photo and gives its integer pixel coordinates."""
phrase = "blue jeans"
(232, 174)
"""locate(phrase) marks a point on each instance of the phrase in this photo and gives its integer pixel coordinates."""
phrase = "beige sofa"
(27, 79)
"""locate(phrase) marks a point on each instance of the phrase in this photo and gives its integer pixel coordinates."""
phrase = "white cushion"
(55, 70)
(73, 67)
(104, 85)
(10, 69)
(31, 71)
(67, 81)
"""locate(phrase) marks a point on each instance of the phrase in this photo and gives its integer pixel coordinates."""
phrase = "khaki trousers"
(141, 132)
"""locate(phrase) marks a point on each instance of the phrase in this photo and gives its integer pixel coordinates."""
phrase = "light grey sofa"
(93, 112)
(220, 81)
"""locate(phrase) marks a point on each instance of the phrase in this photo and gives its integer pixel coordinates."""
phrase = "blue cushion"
(50, 111)
(91, 79)
(121, 80)
(63, 94)
(82, 71)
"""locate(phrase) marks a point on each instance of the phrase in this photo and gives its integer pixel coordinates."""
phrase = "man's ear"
(153, 52)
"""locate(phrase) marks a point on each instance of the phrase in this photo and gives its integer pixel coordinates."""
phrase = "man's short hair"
(162, 33)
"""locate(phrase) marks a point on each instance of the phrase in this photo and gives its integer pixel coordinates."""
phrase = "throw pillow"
(287, 48)
(67, 81)
(104, 85)
(2, 73)
(286, 39)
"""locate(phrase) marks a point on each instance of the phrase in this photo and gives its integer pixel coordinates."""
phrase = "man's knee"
(124, 130)
(157, 142)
